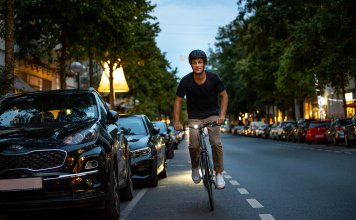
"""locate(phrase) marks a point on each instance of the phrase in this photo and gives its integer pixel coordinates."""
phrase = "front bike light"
(195, 126)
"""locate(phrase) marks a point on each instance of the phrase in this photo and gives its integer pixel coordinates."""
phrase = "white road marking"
(234, 183)
(126, 212)
(266, 217)
(242, 191)
(254, 203)
(227, 177)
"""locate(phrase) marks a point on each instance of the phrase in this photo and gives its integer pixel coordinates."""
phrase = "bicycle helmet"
(196, 54)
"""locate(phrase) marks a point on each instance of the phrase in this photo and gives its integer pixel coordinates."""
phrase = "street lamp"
(77, 68)
(113, 82)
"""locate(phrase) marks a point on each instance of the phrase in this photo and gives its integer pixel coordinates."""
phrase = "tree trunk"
(63, 58)
(342, 83)
(9, 48)
(91, 80)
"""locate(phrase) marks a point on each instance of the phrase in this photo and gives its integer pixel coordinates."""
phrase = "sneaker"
(220, 182)
(196, 176)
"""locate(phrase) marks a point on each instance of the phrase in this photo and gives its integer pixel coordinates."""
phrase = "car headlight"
(80, 137)
(141, 152)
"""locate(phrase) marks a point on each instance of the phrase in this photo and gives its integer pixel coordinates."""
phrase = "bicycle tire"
(209, 183)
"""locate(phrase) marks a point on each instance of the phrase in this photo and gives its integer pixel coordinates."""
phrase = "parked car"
(273, 131)
(177, 136)
(281, 132)
(167, 136)
(336, 132)
(225, 128)
(62, 149)
(316, 130)
(287, 133)
(299, 133)
(147, 148)
(238, 130)
(350, 132)
(263, 131)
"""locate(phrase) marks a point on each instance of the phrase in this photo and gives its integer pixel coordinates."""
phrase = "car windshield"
(47, 108)
(162, 127)
(132, 126)
(319, 124)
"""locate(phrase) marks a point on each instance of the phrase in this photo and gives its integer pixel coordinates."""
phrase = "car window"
(161, 125)
(318, 125)
(47, 108)
(132, 126)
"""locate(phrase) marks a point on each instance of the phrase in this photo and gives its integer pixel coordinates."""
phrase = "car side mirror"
(112, 117)
(156, 130)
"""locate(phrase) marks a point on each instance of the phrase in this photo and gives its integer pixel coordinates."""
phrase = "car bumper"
(62, 191)
(141, 167)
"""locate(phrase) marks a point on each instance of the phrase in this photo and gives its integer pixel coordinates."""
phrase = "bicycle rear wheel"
(207, 179)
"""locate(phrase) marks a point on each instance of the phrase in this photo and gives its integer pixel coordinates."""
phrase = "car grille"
(34, 160)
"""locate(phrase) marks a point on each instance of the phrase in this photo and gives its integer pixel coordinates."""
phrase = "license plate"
(21, 184)
(319, 136)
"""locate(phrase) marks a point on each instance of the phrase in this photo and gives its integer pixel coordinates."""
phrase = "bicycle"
(206, 164)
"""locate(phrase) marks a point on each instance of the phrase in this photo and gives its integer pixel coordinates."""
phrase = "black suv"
(61, 149)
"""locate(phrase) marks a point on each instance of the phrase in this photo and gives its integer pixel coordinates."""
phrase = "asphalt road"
(265, 179)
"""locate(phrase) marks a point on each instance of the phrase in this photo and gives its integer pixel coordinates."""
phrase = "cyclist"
(202, 90)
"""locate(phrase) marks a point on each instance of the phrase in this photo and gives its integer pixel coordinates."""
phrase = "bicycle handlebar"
(210, 123)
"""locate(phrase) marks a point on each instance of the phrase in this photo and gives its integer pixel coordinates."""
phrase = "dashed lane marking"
(266, 217)
(242, 191)
(227, 177)
(234, 183)
(254, 203)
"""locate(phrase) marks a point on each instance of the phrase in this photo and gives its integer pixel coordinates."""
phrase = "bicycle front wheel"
(208, 182)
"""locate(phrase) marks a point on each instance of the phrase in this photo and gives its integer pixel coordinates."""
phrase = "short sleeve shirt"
(202, 100)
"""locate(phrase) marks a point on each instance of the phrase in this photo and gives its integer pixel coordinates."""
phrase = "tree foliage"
(277, 48)
(62, 31)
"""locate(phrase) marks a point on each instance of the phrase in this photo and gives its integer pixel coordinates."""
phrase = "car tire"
(153, 181)
(347, 142)
(127, 192)
(112, 206)
(163, 174)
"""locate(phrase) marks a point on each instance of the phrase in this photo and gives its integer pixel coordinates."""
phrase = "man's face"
(198, 66)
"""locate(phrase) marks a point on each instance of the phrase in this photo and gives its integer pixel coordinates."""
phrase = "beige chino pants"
(214, 139)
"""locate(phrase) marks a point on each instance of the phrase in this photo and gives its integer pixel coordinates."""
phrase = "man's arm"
(176, 113)
(224, 99)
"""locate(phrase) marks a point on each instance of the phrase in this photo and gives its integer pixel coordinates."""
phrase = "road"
(265, 180)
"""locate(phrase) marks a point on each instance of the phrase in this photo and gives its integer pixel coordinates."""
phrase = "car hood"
(37, 134)
(137, 141)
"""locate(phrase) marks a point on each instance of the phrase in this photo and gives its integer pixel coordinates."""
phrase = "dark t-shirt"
(202, 100)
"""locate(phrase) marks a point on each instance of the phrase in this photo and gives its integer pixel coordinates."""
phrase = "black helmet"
(195, 54)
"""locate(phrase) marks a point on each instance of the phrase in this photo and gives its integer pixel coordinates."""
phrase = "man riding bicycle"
(203, 90)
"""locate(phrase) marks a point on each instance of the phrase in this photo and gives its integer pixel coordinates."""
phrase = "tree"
(7, 73)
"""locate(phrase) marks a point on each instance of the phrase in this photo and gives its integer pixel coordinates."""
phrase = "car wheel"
(163, 174)
(127, 192)
(347, 143)
(112, 206)
(153, 181)
(299, 139)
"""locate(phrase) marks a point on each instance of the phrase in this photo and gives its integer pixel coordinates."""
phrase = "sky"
(190, 24)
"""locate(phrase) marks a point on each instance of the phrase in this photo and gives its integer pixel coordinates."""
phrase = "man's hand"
(220, 120)
(178, 126)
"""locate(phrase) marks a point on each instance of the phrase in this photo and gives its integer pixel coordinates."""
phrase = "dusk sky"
(190, 24)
